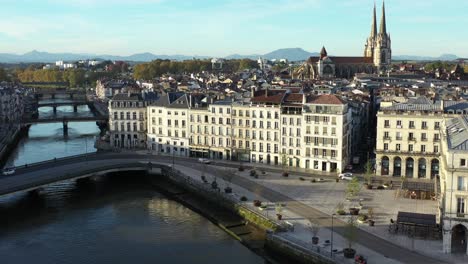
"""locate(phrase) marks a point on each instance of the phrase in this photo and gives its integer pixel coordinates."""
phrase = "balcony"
(411, 139)
(399, 138)
(423, 139)
(387, 138)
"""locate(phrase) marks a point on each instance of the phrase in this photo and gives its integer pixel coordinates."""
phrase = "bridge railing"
(35, 164)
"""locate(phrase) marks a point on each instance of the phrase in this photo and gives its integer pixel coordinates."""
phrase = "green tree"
(350, 233)
(3, 75)
(353, 188)
(368, 172)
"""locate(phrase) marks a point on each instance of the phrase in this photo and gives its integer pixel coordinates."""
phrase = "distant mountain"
(294, 54)
(291, 54)
(443, 57)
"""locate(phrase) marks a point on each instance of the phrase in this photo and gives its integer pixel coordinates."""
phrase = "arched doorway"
(459, 233)
(397, 167)
(409, 167)
(385, 166)
(422, 168)
(434, 168)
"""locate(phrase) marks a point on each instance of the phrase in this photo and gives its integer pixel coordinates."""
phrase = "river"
(117, 219)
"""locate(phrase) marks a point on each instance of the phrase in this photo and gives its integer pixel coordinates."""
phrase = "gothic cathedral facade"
(377, 57)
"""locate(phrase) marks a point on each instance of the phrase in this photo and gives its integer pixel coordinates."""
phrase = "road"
(49, 170)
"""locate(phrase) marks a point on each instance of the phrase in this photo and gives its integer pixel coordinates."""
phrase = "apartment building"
(409, 137)
(454, 185)
(270, 128)
(128, 119)
(327, 132)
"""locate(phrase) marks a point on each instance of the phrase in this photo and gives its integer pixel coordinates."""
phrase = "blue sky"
(224, 27)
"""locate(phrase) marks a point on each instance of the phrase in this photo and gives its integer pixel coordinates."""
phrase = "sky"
(225, 27)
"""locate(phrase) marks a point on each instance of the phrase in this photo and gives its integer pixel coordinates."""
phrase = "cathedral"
(377, 57)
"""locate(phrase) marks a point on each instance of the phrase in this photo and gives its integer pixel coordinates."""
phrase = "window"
(411, 136)
(333, 153)
(436, 125)
(398, 135)
(411, 124)
(410, 147)
(398, 122)
(436, 137)
(460, 205)
(424, 137)
(387, 123)
(386, 134)
(424, 125)
(385, 146)
(423, 148)
(436, 149)
(324, 152)
(463, 162)
(398, 147)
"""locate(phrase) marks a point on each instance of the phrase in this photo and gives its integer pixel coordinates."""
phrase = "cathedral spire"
(383, 23)
(373, 33)
(323, 53)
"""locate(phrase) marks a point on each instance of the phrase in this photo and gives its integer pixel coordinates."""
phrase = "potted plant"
(362, 218)
(243, 198)
(241, 168)
(354, 211)
(370, 213)
(257, 203)
(340, 209)
(337, 179)
(352, 190)
(253, 173)
(279, 210)
(228, 189)
(314, 226)
(214, 184)
(350, 236)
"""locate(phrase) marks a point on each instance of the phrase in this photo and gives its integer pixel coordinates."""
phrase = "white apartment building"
(454, 185)
(128, 120)
(409, 137)
(269, 129)
(168, 129)
(327, 128)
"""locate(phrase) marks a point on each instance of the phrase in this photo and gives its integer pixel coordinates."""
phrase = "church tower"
(383, 45)
(370, 44)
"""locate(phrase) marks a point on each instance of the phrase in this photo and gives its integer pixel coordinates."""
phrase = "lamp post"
(331, 248)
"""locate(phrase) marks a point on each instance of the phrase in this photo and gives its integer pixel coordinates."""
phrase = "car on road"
(346, 176)
(8, 171)
(203, 160)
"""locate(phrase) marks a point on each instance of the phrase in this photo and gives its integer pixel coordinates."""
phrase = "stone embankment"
(241, 215)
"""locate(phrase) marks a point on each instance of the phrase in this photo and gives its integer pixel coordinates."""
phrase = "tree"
(351, 231)
(314, 226)
(368, 172)
(3, 75)
(284, 161)
(353, 188)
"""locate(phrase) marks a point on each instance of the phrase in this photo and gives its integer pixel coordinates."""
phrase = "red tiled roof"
(344, 60)
(274, 96)
(326, 99)
(293, 98)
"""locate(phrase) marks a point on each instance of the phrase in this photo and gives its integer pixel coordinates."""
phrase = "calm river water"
(116, 219)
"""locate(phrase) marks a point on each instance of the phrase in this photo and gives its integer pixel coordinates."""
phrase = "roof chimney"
(252, 91)
(266, 91)
(304, 98)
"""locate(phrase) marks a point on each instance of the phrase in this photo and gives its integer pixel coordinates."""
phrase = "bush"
(362, 217)
(301, 178)
(340, 212)
(241, 168)
(313, 180)
(243, 198)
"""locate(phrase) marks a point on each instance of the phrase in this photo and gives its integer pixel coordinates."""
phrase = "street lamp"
(331, 249)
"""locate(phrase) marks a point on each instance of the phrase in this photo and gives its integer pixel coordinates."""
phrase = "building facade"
(128, 120)
(454, 185)
(275, 127)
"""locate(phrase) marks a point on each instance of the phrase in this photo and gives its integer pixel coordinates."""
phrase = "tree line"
(157, 68)
(74, 77)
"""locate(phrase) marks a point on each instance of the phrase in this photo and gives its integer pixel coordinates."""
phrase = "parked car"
(8, 171)
(346, 176)
(203, 160)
